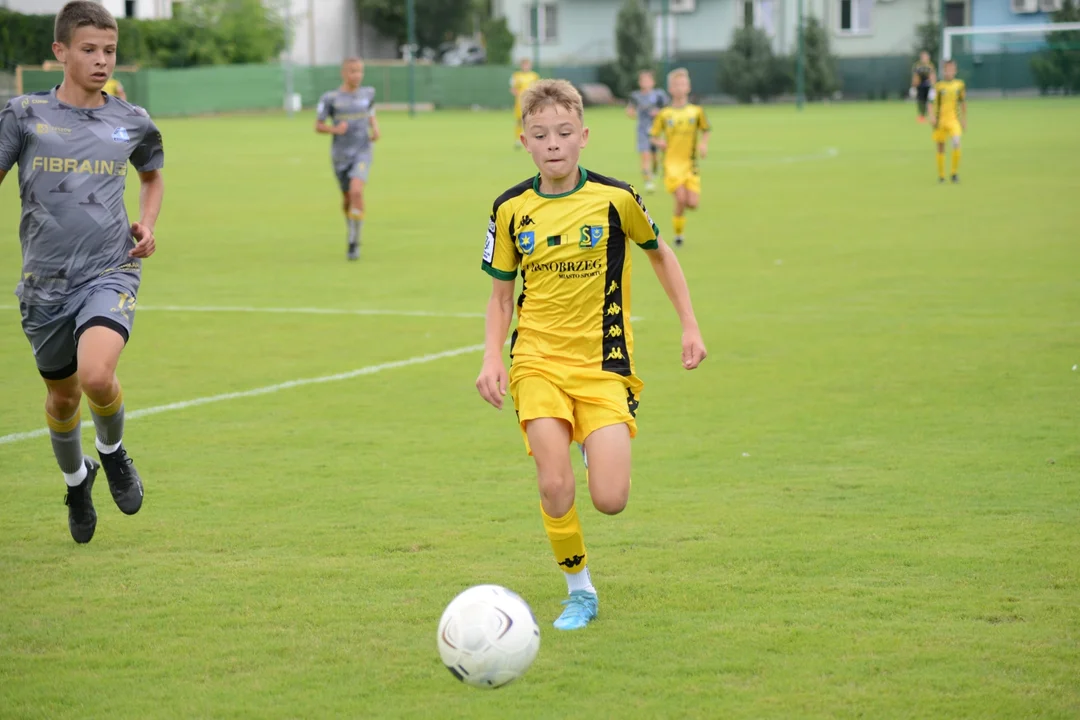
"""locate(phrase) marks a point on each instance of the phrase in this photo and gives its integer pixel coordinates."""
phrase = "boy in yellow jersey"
(115, 88)
(521, 81)
(682, 132)
(949, 119)
(572, 375)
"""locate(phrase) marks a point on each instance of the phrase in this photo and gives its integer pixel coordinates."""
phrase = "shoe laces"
(580, 604)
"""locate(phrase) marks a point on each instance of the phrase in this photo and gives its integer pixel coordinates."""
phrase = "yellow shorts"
(588, 399)
(683, 178)
(946, 130)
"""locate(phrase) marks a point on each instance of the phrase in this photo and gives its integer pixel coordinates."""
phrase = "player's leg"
(956, 157)
(648, 160)
(549, 439)
(103, 327)
(678, 222)
(940, 141)
(517, 126)
(50, 330)
(923, 102)
(608, 449)
(358, 175)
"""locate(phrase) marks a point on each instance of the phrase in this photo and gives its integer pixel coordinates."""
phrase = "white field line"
(291, 311)
(267, 390)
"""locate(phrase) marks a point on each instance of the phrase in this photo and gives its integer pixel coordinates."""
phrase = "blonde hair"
(552, 92)
(678, 72)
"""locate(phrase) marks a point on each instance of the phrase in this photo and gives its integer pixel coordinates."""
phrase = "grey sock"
(354, 233)
(110, 428)
(67, 447)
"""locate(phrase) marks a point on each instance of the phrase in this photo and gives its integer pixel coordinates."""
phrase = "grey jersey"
(355, 108)
(73, 164)
(645, 102)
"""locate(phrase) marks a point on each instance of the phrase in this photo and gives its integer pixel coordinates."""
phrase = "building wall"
(145, 9)
(325, 32)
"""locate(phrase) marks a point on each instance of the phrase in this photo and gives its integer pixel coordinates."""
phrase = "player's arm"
(706, 130)
(656, 132)
(148, 158)
(961, 106)
(643, 231)
(935, 107)
(668, 271)
(11, 139)
(500, 261)
(324, 119)
(631, 111)
(373, 124)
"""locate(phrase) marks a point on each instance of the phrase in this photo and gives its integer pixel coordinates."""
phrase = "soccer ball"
(488, 636)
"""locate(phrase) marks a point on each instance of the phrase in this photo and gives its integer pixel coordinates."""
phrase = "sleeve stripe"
(497, 273)
(651, 245)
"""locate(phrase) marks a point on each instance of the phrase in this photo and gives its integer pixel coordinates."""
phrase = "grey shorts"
(54, 330)
(358, 167)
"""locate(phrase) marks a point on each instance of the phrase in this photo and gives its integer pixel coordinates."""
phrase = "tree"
(436, 20)
(1058, 67)
(821, 76)
(928, 34)
(244, 31)
(749, 69)
(498, 41)
(633, 45)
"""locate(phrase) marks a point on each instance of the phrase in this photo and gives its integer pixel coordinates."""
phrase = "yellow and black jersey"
(922, 73)
(949, 94)
(681, 128)
(573, 253)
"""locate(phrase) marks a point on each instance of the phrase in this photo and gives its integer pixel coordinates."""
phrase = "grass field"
(866, 503)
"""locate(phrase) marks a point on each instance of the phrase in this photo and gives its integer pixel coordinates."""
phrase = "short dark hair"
(950, 62)
(81, 13)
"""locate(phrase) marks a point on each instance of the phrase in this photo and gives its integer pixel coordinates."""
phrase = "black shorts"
(923, 93)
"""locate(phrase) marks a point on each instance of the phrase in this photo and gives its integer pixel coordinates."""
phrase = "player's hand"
(374, 134)
(660, 143)
(702, 150)
(145, 245)
(341, 128)
(911, 93)
(492, 382)
(693, 349)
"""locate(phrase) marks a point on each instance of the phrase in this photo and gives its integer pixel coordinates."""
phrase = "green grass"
(865, 504)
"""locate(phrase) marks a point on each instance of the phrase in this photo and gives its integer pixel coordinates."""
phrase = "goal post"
(1009, 57)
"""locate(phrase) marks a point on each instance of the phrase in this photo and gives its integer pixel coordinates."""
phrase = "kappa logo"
(120, 135)
(572, 561)
(526, 221)
(527, 242)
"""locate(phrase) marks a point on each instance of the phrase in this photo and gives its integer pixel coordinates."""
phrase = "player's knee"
(612, 500)
(691, 202)
(64, 400)
(556, 490)
(97, 380)
(356, 197)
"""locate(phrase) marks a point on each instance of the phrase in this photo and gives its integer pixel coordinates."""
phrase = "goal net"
(1013, 59)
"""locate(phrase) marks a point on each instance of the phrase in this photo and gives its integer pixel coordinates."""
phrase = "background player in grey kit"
(81, 257)
(348, 114)
(644, 103)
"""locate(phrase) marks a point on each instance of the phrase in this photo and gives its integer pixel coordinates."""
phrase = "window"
(855, 16)
(760, 14)
(955, 14)
(547, 16)
(129, 8)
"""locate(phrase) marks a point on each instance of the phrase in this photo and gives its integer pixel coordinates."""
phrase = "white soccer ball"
(488, 636)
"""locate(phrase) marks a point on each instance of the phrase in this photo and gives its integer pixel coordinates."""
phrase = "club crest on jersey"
(527, 242)
(120, 135)
(591, 235)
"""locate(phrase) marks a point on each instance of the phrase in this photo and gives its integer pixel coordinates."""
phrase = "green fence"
(231, 88)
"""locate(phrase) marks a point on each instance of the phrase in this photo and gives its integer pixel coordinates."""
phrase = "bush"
(822, 79)
(1057, 69)
(633, 46)
(498, 41)
(608, 74)
(749, 69)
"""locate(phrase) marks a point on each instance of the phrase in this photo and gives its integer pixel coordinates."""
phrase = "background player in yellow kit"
(572, 373)
(682, 132)
(521, 81)
(949, 119)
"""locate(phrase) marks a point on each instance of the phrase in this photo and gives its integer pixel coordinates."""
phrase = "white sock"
(105, 449)
(76, 478)
(580, 581)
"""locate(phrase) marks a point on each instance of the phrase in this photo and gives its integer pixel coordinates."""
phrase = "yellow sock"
(678, 224)
(566, 540)
(63, 426)
(955, 161)
(355, 214)
(941, 165)
(109, 409)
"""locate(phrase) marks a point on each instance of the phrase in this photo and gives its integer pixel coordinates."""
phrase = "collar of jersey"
(581, 184)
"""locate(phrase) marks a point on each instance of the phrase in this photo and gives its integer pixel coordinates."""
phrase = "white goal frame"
(950, 32)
